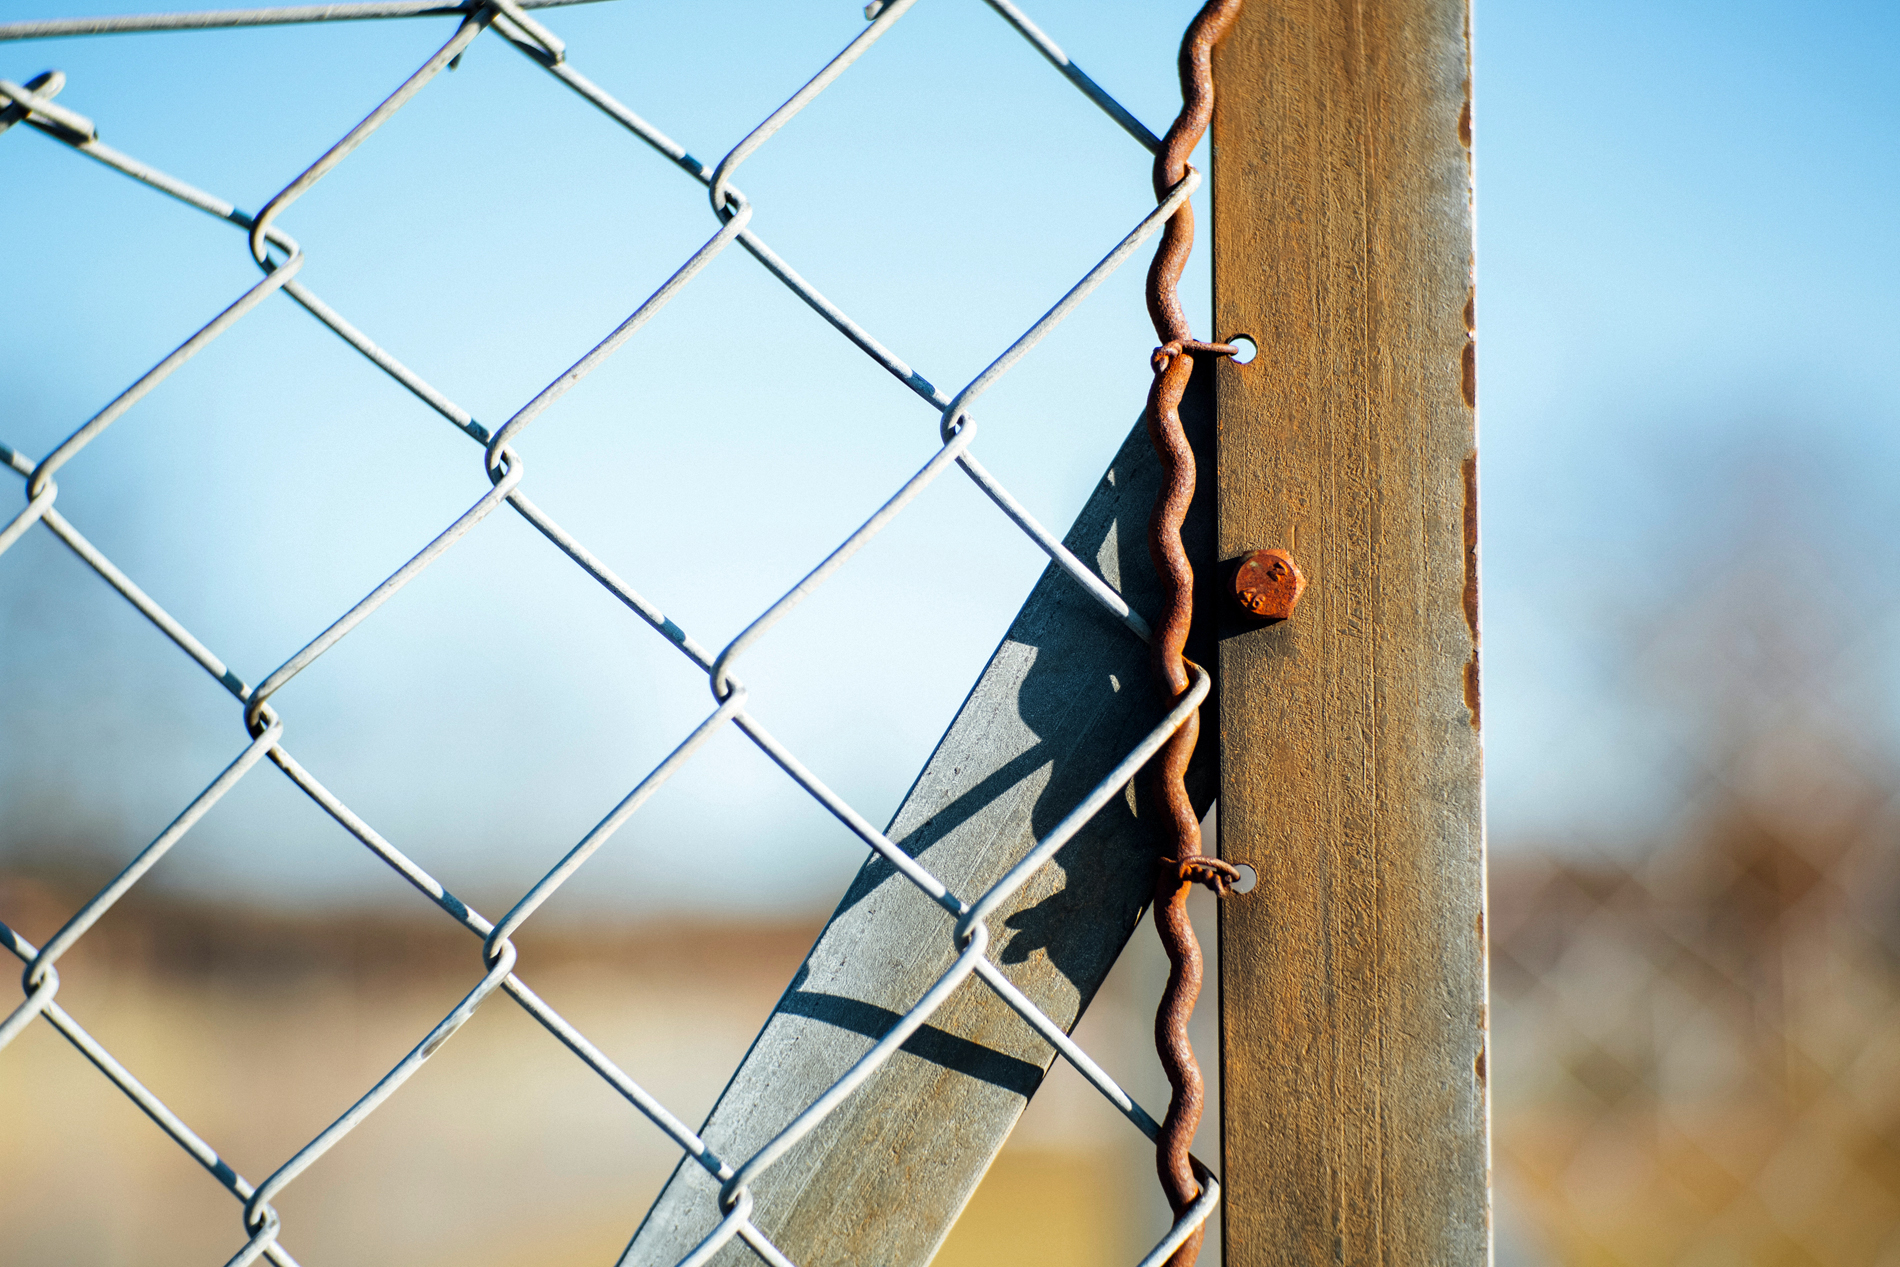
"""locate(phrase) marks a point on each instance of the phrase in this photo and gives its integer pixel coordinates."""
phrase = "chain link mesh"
(1697, 1025)
(281, 260)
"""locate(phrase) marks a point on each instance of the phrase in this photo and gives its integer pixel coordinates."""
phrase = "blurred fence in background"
(1697, 1031)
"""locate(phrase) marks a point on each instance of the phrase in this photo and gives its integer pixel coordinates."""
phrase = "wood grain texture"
(1064, 698)
(1352, 978)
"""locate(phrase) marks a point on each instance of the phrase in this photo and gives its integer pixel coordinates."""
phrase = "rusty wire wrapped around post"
(1182, 864)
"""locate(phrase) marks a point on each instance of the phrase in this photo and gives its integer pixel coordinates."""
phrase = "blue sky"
(1688, 333)
(1686, 270)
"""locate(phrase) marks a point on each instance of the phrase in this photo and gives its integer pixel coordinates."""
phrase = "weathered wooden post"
(1353, 977)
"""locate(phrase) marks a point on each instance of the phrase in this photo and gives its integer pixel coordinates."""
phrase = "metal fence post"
(1353, 977)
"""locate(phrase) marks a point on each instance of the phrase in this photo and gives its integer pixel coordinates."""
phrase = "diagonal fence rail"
(280, 259)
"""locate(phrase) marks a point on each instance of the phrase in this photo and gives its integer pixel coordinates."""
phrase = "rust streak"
(1468, 366)
(1471, 580)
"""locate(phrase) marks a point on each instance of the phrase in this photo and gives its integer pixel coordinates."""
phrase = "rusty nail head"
(1268, 584)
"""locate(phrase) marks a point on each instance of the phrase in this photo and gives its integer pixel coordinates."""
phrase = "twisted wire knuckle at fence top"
(1191, 1186)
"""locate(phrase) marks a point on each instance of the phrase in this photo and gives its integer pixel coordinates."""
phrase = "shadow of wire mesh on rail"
(45, 108)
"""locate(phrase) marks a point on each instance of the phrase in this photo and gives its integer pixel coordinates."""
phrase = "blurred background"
(1688, 397)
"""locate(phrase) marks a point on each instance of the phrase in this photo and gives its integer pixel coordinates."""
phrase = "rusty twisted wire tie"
(1186, 865)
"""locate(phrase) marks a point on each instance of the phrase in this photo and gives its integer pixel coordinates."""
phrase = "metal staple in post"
(504, 472)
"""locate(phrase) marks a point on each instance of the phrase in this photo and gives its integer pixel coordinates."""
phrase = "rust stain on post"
(1471, 582)
(1352, 977)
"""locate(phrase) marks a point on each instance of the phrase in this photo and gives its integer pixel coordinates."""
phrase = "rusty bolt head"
(1268, 584)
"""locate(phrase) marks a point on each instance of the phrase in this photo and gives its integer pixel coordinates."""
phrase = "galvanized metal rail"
(281, 260)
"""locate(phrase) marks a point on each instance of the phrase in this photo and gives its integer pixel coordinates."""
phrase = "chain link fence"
(37, 106)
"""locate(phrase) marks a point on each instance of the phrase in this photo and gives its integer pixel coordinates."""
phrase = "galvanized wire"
(281, 259)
